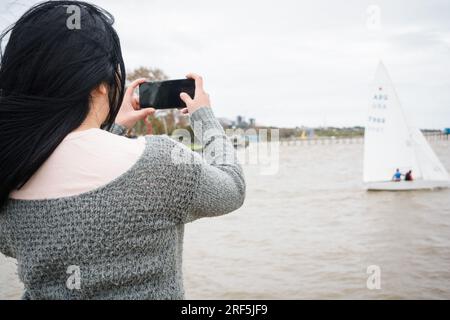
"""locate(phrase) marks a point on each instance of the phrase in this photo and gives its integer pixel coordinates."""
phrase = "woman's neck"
(86, 126)
(91, 121)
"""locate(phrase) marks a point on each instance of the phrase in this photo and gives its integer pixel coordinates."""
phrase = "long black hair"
(48, 70)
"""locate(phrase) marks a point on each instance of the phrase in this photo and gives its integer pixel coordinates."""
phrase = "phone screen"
(165, 94)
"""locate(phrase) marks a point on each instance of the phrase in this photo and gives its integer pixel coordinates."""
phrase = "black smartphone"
(165, 94)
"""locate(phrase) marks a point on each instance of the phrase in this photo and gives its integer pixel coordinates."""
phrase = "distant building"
(241, 123)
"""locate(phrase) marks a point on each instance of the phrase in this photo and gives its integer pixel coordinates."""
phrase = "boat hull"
(407, 185)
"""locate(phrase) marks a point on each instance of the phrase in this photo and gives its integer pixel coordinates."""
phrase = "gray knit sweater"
(124, 240)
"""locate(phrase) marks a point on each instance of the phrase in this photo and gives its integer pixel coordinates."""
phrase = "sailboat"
(391, 143)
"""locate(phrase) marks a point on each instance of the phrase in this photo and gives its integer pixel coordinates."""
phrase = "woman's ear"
(101, 90)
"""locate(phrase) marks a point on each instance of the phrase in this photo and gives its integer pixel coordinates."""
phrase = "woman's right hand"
(201, 98)
(130, 112)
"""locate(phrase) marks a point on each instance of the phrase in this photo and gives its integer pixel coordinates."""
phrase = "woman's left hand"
(130, 111)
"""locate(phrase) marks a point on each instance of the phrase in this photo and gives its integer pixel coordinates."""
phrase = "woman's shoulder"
(83, 161)
(162, 149)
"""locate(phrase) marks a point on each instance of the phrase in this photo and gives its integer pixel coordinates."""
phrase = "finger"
(198, 80)
(150, 111)
(184, 111)
(149, 125)
(134, 85)
(143, 113)
(135, 103)
(186, 98)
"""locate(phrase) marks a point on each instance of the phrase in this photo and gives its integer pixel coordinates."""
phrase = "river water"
(310, 231)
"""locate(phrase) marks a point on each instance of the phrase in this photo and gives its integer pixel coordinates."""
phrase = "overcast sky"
(291, 63)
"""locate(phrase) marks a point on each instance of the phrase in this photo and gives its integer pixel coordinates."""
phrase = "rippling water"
(311, 231)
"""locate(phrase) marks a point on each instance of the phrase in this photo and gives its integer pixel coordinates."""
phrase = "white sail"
(430, 166)
(390, 143)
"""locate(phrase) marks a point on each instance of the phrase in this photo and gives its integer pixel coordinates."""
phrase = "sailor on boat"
(408, 176)
(397, 175)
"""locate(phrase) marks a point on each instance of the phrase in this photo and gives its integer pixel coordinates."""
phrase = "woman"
(88, 213)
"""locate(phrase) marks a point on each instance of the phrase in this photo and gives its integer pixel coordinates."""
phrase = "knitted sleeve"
(212, 181)
(221, 185)
(118, 129)
(4, 243)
